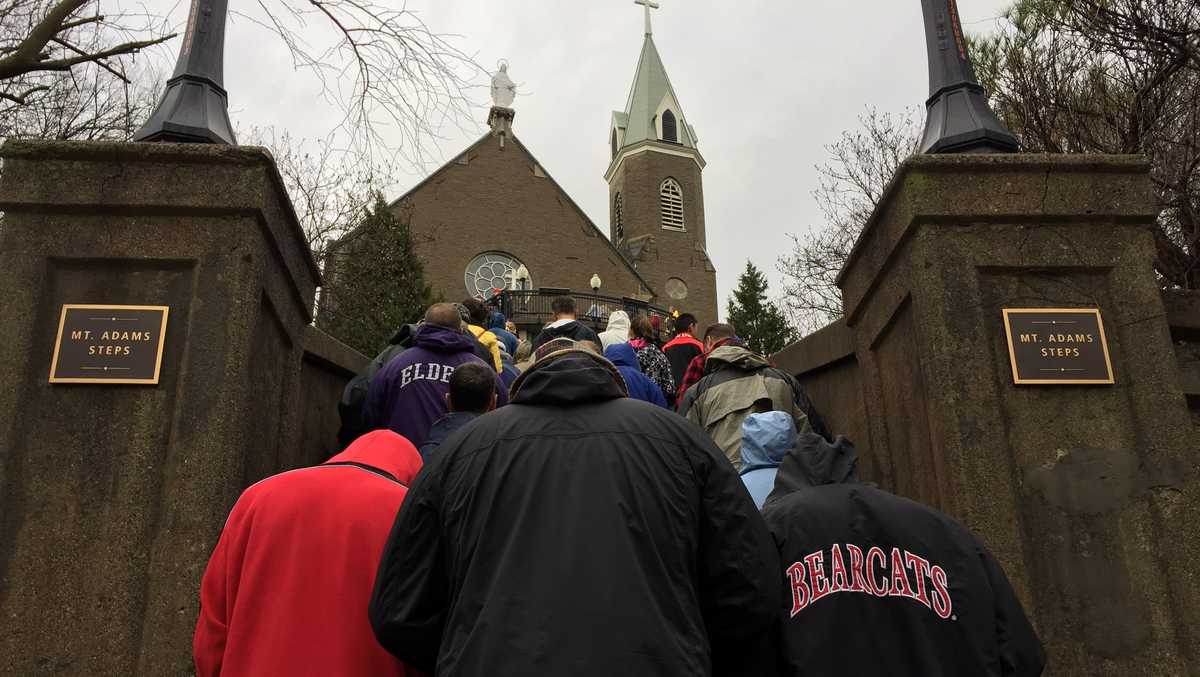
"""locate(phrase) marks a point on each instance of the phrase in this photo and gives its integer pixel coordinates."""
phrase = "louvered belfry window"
(670, 204)
(668, 127)
(619, 217)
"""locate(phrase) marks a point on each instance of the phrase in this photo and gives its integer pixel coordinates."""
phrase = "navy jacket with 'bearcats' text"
(879, 584)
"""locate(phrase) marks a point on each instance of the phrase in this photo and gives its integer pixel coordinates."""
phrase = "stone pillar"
(1086, 494)
(112, 496)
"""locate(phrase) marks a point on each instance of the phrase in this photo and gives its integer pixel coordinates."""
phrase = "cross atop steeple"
(649, 5)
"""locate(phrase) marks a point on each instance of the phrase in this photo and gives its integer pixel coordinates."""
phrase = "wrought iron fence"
(530, 308)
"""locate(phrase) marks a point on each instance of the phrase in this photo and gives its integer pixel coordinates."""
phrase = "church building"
(494, 219)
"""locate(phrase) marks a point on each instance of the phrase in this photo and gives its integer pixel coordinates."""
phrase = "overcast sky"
(766, 84)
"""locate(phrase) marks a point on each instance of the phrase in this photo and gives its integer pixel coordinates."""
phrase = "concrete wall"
(112, 496)
(826, 364)
(1183, 316)
(827, 367)
(326, 368)
(1088, 495)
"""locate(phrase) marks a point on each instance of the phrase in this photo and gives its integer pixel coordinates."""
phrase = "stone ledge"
(1183, 308)
(1028, 189)
(829, 344)
(333, 353)
(30, 150)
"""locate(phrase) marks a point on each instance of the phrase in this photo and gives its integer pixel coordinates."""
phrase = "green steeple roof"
(651, 94)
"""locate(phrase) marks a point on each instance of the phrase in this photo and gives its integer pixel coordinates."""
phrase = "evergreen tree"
(758, 321)
(374, 281)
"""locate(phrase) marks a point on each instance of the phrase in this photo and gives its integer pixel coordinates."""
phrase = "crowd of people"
(594, 504)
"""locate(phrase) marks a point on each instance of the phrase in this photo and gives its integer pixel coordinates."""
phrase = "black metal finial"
(958, 119)
(195, 108)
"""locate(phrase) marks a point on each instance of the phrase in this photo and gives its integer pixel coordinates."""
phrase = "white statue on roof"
(504, 90)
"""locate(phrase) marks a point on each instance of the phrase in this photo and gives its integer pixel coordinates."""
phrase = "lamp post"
(595, 282)
(958, 118)
(194, 108)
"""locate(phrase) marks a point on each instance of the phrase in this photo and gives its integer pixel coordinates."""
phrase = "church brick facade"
(494, 211)
(493, 198)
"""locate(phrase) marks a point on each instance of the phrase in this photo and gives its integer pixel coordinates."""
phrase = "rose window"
(492, 271)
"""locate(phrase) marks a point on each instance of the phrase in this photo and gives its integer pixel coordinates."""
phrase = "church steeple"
(652, 110)
(656, 196)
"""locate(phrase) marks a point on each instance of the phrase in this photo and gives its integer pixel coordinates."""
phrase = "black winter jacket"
(574, 330)
(879, 584)
(577, 532)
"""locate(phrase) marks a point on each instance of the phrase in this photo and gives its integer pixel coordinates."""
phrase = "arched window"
(618, 217)
(614, 142)
(668, 127)
(670, 204)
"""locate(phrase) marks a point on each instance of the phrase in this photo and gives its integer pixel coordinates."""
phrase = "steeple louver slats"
(670, 204)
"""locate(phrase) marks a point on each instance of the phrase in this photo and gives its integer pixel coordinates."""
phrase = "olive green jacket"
(737, 383)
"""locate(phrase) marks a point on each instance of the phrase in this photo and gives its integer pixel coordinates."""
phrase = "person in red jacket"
(684, 348)
(287, 587)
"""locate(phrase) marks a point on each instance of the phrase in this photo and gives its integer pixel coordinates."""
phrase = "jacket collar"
(735, 355)
(443, 340)
(684, 338)
(569, 378)
(386, 451)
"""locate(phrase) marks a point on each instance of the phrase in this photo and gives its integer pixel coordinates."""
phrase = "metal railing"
(529, 308)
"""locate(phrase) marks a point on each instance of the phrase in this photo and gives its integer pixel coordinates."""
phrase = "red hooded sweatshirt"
(287, 588)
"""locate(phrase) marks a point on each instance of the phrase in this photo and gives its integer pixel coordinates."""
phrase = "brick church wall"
(500, 200)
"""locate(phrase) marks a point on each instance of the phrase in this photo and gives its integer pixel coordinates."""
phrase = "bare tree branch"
(54, 24)
(396, 81)
(1066, 76)
(330, 188)
(23, 97)
(860, 166)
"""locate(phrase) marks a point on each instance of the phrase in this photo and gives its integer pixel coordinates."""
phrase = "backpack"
(354, 395)
(801, 398)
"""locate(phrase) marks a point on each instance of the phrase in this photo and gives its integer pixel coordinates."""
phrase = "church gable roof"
(544, 176)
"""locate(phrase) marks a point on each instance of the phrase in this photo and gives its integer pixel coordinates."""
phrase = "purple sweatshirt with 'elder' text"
(409, 394)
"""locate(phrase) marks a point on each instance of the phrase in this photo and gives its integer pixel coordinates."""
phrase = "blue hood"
(443, 340)
(622, 355)
(766, 439)
(496, 320)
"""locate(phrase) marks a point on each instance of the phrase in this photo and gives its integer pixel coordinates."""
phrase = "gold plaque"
(1057, 346)
(109, 344)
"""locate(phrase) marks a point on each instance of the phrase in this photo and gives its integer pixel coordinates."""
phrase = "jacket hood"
(734, 355)
(404, 336)
(622, 355)
(443, 340)
(385, 450)
(618, 321)
(569, 378)
(567, 329)
(813, 462)
(496, 320)
(766, 439)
